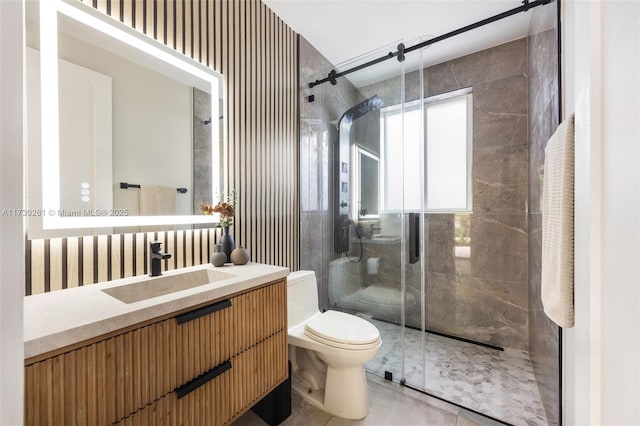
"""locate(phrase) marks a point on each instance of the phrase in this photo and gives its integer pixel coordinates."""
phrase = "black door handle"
(202, 379)
(414, 237)
(200, 312)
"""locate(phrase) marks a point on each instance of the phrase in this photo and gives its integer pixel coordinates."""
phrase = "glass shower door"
(375, 239)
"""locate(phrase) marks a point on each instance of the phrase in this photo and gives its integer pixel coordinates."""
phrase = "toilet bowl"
(328, 351)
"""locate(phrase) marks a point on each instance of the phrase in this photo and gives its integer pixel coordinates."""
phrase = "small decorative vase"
(240, 256)
(227, 243)
(218, 258)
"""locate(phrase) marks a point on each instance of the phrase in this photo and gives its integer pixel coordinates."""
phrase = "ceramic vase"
(218, 258)
(227, 243)
(240, 256)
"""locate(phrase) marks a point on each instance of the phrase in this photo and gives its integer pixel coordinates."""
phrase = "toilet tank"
(302, 297)
(344, 280)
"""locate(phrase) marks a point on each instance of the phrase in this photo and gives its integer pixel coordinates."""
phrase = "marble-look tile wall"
(484, 296)
(318, 120)
(544, 336)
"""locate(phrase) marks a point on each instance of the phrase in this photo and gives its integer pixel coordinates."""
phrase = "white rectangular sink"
(159, 286)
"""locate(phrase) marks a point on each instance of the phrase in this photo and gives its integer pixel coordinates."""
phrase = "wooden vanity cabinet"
(205, 366)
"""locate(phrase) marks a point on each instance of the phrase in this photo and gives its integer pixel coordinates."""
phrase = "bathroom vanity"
(138, 351)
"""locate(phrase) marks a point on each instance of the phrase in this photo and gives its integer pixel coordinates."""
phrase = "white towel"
(157, 200)
(557, 226)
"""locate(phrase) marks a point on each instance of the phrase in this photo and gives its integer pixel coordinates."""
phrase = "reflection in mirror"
(123, 132)
(366, 172)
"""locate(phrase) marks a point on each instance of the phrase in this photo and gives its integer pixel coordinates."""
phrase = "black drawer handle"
(202, 379)
(197, 313)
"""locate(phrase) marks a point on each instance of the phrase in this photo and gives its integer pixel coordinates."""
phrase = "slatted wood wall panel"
(59, 263)
(257, 55)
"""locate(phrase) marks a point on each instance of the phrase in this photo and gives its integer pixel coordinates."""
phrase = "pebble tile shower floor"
(497, 383)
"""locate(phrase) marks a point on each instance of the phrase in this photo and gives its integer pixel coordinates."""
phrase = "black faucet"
(156, 258)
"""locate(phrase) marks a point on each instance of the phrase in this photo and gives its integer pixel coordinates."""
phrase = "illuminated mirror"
(123, 133)
(366, 181)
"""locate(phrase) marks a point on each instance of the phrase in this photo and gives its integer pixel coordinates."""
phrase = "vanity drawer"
(253, 374)
(107, 381)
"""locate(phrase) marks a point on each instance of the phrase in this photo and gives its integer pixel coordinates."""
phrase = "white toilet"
(328, 351)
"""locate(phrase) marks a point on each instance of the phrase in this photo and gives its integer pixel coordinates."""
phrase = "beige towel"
(557, 226)
(157, 200)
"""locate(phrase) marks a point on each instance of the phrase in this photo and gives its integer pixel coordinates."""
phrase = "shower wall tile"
(500, 179)
(474, 312)
(500, 112)
(505, 96)
(389, 269)
(535, 259)
(543, 67)
(499, 247)
(487, 65)
(311, 244)
(542, 126)
(544, 335)
(493, 279)
(440, 237)
(499, 129)
(544, 340)
(485, 297)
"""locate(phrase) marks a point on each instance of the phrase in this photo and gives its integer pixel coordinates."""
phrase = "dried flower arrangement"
(226, 207)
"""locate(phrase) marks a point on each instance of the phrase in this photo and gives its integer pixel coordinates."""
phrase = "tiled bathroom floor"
(389, 405)
(498, 383)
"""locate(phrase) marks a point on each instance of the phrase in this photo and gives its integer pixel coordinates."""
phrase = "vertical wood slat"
(170, 16)
(203, 34)
(55, 264)
(127, 11)
(188, 28)
(139, 14)
(257, 55)
(103, 256)
(159, 23)
(129, 254)
(116, 261)
(88, 254)
(179, 26)
(37, 266)
(139, 254)
(115, 9)
(241, 157)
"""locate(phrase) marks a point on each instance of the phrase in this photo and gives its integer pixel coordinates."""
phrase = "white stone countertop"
(66, 317)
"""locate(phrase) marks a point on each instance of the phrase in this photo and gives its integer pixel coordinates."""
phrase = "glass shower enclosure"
(392, 157)
(370, 166)
(373, 173)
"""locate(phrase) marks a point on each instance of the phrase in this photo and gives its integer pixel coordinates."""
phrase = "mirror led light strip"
(49, 10)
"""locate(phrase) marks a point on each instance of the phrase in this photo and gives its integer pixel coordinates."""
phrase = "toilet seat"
(343, 331)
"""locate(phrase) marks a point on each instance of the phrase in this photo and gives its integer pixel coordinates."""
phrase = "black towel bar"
(125, 185)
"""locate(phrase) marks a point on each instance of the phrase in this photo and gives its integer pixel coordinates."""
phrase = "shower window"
(446, 149)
